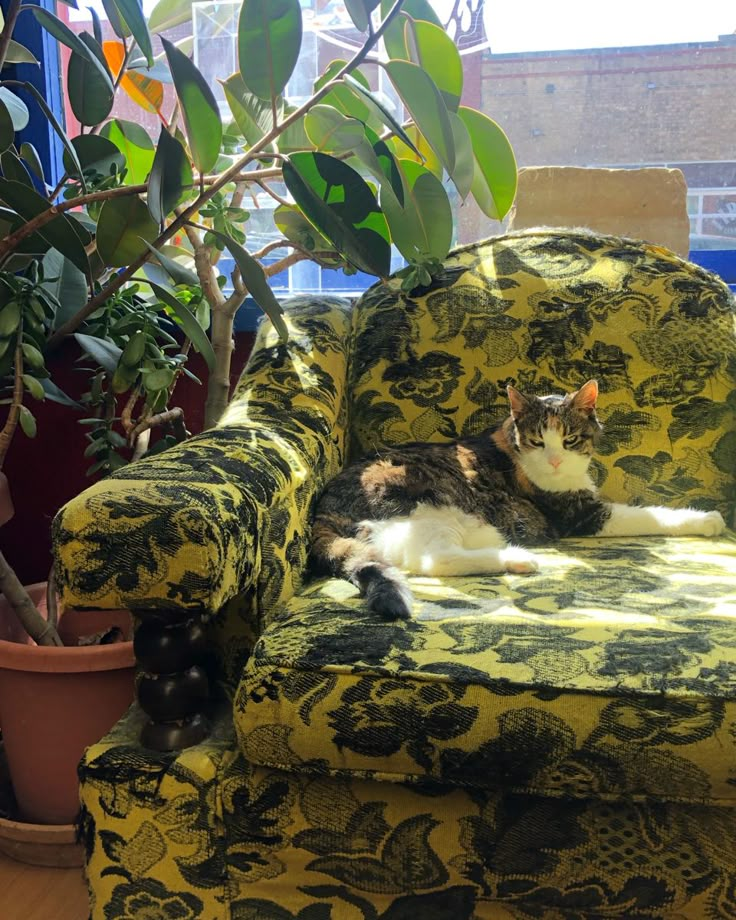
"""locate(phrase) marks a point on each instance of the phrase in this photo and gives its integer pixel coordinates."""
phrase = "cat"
(469, 507)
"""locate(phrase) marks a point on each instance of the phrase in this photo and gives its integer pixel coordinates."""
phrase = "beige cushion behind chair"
(648, 204)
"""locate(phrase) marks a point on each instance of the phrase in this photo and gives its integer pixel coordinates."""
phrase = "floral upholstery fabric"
(220, 522)
(553, 746)
(546, 310)
(611, 672)
(206, 835)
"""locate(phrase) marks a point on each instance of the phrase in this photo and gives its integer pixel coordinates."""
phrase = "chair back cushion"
(546, 310)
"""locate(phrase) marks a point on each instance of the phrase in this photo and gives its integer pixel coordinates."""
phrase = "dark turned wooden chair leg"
(171, 683)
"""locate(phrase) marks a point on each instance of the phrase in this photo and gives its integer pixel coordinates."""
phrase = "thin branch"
(52, 604)
(230, 175)
(283, 264)
(269, 247)
(123, 66)
(126, 416)
(9, 243)
(10, 17)
(275, 195)
(141, 445)
(170, 416)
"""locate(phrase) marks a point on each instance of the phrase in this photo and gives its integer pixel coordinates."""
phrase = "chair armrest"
(226, 511)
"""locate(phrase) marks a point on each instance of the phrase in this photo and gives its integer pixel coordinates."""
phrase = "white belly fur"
(445, 541)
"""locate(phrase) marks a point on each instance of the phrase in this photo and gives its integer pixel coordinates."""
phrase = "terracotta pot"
(6, 502)
(55, 702)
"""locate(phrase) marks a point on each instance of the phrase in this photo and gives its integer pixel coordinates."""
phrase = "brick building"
(658, 105)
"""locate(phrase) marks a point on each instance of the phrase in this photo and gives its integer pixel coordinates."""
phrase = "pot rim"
(65, 660)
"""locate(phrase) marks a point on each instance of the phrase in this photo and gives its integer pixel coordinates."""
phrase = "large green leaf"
(61, 232)
(132, 14)
(394, 37)
(252, 115)
(360, 12)
(57, 395)
(106, 354)
(436, 53)
(135, 145)
(95, 154)
(269, 41)
(14, 168)
(62, 33)
(426, 106)
(90, 96)
(256, 282)
(295, 227)
(463, 172)
(116, 22)
(295, 136)
(19, 54)
(422, 228)
(170, 175)
(64, 281)
(379, 109)
(178, 273)
(29, 153)
(188, 321)
(495, 175)
(66, 143)
(341, 96)
(169, 13)
(7, 131)
(332, 132)
(17, 109)
(343, 207)
(198, 108)
(122, 226)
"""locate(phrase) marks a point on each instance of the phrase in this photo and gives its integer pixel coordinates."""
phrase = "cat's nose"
(554, 461)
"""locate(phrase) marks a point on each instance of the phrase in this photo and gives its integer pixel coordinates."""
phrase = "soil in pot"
(55, 702)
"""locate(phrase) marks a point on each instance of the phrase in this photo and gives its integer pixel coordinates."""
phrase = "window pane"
(636, 87)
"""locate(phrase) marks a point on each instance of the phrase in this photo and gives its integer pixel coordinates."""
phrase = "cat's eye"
(536, 442)
(571, 440)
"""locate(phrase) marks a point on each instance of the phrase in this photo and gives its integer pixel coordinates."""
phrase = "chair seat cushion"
(610, 673)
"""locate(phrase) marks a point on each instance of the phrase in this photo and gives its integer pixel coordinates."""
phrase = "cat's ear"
(586, 396)
(518, 402)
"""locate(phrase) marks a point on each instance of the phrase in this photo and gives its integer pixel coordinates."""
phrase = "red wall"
(47, 471)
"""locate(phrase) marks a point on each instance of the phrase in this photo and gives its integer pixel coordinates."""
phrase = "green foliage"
(129, 258)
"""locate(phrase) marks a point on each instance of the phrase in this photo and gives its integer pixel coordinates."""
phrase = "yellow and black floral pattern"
(554, 746)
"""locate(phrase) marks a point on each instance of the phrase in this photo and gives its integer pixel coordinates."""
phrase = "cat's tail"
(338, 549)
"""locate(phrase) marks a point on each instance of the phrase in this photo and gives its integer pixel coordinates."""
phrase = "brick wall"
(666, 104)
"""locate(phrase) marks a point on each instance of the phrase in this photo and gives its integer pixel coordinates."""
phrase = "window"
(641, 87)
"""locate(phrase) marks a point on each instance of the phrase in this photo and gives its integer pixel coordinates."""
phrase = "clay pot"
(55, 702)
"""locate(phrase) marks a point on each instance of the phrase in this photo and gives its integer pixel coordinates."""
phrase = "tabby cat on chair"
(472, 506)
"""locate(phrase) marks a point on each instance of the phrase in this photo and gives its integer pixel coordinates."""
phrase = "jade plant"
(123, 252)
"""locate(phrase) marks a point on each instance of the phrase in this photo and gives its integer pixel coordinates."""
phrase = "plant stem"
(10, 17)
(218, 384)
(229, 175)
(38, 629)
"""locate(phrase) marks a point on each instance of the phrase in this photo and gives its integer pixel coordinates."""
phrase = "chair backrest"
(546, 310)
(649, 203)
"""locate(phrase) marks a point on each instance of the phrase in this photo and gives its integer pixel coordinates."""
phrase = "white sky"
(551, 25)
(547, 25)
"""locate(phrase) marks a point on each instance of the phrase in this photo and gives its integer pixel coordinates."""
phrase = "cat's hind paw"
(712, 524)
(518, 561)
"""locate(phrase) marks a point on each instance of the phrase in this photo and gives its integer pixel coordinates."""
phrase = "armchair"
(546, 746)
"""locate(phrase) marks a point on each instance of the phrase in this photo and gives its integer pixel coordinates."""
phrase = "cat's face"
(555, 436)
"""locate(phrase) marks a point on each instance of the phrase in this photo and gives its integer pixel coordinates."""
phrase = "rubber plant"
(123, 251)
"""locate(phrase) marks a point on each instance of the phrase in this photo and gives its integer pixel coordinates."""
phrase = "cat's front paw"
(711, 524)
(518, 561)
